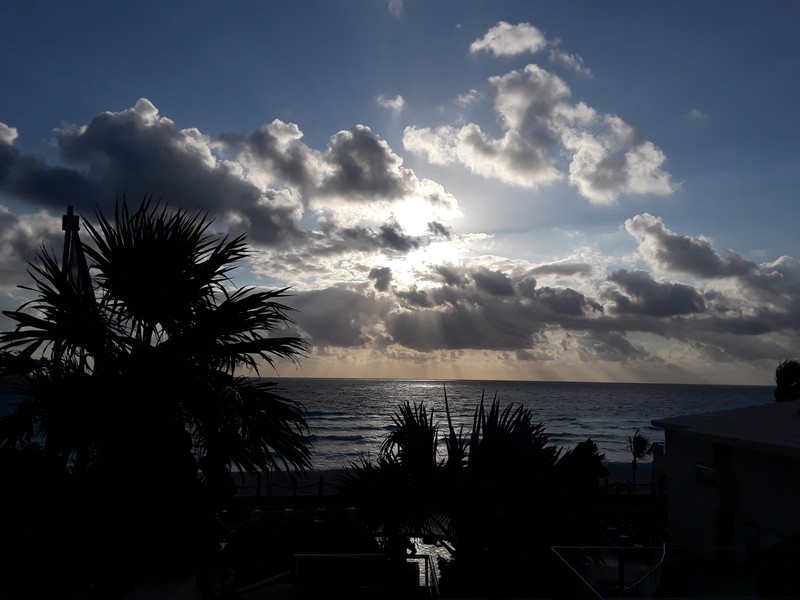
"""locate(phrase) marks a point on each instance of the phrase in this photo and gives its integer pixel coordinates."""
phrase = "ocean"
(349, 418)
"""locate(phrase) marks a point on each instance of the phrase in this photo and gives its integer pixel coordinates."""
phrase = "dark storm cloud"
(683, 254)
(495, 283)
(382, 276)
(648, 297)
(30, 178)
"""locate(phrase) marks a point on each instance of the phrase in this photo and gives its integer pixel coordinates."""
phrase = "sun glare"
(415, 215)
(414, 268)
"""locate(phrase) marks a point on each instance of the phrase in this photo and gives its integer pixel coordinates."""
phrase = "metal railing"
(622, 554)
(427, 575)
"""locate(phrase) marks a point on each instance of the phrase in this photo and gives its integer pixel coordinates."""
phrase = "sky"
(575, 191)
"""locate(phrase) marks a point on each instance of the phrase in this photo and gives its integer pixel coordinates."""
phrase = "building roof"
(773, 428)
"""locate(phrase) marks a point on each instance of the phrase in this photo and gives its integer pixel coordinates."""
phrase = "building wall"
(768, 490)
(691, 504)
(757, 493)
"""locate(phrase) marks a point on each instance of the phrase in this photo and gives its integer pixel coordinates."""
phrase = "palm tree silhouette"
(499, 495)
(132, 387)
(640, 447)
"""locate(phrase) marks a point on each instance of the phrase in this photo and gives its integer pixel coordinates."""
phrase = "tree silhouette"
(787, 380)
(129, 389)
(640, 447)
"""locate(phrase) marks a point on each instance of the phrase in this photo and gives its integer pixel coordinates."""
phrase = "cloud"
(356, 177)
(609, 346)
(505, 39)
(274, 153)
(526, 100)
(30, 178)
(136, 152)
(264, 182)
(467, 98)
(7, 134)
(396, 104)
(414, 297)
(491, 325)
(565, 268)
(334, 240)
(493, 282)
(382, 276)
(439, 230)
(511, 159)
(573, 62)
(668, 251)
(339, 316)
(396, 8)
(566, 301)
(645, 296)
(345, 225)
(613, 160)
(21, 239)
(452, 275)
(697, 115)
(362, 167)
(546, 139)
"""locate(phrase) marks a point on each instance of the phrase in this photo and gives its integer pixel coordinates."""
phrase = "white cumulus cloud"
(573, 62)
(396, 104)
(545, 139)
(7, 134)
(505, 39)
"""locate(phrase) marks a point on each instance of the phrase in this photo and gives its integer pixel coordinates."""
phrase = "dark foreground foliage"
(500, 495)
(128, 389)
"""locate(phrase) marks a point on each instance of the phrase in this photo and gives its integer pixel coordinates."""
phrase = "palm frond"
(60, 317)
(639, 446)
(250, 425)
(415, 437)
(156, 266)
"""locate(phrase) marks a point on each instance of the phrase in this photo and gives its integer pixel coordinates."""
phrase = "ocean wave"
(336, 438)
